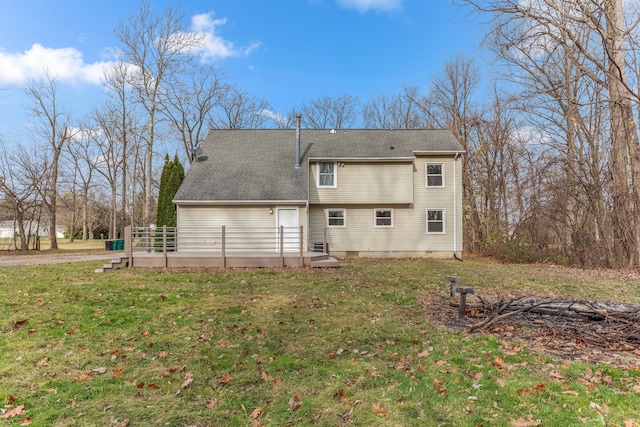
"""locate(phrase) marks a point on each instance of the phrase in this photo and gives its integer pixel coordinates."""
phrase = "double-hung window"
(435, 221)
(383, 218)
(434, 173)
(327, 175)
(336, 218)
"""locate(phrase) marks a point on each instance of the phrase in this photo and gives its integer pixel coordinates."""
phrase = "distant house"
(367, 193)
(9, 229)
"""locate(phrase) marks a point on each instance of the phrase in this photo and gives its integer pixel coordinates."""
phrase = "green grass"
(289, 347)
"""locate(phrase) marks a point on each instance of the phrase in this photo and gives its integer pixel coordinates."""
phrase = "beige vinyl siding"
(408, 236)
(207, 218)
(369, 182)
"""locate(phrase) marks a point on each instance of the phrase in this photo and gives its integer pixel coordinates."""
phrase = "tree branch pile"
(609, 325)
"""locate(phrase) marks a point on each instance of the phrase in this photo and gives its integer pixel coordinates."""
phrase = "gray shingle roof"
(258, 165)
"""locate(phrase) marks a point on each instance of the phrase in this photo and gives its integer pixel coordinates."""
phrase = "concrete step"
(328, 262)
(99, 270)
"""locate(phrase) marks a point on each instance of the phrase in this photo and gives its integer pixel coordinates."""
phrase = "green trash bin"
(119, 245)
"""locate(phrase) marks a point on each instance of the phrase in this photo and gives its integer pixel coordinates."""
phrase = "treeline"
(552, 166)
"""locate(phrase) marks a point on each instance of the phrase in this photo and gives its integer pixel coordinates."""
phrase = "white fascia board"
(239, 202)
(438, 153)
(362, 159)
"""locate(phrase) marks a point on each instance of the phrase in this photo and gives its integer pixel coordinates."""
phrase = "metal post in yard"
(281, 246)
(128, 245)
(224, 256)
(301, 246)
(164, 244)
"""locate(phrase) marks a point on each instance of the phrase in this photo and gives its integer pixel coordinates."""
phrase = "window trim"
(426, 174)
(375, 217)
(444, 222)
(344, 217)
(335, 175)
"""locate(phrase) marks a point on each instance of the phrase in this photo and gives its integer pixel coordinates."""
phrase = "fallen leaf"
(124, 423)
(83, 377)
(117, 373)
(14, 412)
(10, 400)
(257, 413)
(153, 387)
(499, 363)
(163, 355)
(539, 388)
(521, 422)
(378, 409)
(213, 403)
(19, 323)
(226, 378)
(42, 363)
(572, 392)
(423, 354)
(188, 379)
(99, 371)
(556, 375)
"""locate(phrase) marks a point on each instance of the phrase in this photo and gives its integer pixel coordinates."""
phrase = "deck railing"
(222, 241)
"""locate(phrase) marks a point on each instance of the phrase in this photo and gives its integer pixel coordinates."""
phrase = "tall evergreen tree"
(170, 180)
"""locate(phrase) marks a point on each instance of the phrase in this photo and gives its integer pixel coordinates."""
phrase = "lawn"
(291, 347)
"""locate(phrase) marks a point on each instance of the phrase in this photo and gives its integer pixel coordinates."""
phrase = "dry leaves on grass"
(521, 422)
(14, 412)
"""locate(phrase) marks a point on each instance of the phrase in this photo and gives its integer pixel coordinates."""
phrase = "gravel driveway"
(10, 261)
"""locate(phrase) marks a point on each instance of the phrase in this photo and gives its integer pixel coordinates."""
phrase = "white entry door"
(288, 218)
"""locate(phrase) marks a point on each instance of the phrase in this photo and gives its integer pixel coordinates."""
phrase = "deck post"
(224, 254)
(324, 240)
(164, 245)
(281, 246)
(128, 245)
(301, 246)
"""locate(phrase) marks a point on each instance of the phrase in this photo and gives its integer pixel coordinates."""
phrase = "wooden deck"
(153, 248)
(216, 260)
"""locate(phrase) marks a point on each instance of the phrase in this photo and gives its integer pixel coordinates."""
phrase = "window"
(435, 174)
(435, 221)
(383, 218)
(327, 174)
(336, 218)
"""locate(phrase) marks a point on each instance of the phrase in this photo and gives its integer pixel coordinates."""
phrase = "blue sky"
(285, 51)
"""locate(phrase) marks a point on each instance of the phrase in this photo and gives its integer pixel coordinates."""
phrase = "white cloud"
(279, 119)
(215, 47)
(66, 65)
(364, 5)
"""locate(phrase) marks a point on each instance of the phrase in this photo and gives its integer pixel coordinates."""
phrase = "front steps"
(114, 265)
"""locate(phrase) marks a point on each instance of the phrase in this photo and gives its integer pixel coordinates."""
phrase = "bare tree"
(189, 105)
(157, 49)
(397, 111)
(594, 37)
(52, 130)
(330, 113)
(22, 201)
(240, 110)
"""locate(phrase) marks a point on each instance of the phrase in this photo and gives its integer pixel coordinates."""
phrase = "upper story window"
(327, 175)
(434, 174)
(383, 218)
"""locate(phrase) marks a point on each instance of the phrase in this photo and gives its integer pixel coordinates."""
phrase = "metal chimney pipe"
(298, 117)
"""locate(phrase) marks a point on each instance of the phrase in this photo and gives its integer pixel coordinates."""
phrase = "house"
(365, 192)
